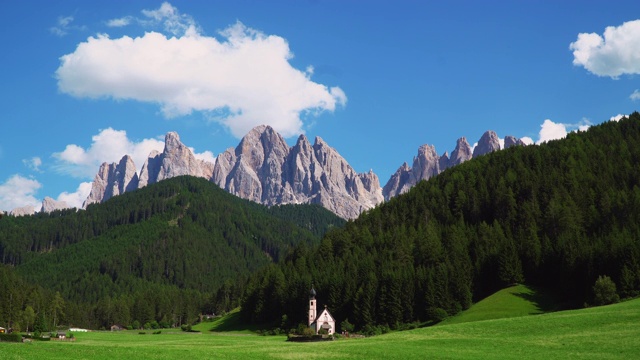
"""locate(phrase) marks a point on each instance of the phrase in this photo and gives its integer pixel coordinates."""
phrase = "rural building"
(117, 327)
(2, 330)
(324, 320)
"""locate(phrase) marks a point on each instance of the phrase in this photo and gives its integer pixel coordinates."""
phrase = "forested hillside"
(156, 254)
(556, 215)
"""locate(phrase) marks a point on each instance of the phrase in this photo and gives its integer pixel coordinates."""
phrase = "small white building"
(322, 321)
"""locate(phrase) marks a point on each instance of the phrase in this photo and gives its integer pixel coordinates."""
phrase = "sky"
(86, 82)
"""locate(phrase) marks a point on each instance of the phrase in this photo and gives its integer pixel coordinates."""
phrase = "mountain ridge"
(265, 169)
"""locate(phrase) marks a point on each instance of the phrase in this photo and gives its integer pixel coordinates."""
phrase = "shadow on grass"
(541, 299)
(232, 322)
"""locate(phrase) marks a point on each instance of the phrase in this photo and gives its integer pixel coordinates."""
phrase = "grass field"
(514, 301)
(608, 332)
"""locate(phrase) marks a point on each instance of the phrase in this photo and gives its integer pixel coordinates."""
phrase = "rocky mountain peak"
(263, 168)
(112, 180)
(49, 205)
(428, 164)
(23, 211)
(461, 153)
(489, 142)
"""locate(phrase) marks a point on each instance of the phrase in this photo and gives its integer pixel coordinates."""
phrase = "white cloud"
(206, 156)
(527, 140)
(550, 130)
(615, 54)
(34, 163)
(173, 21)
(635, 95)
(108, 146)
(243, 80)
(75, 199)
(617, 117)
(19, 191)
(121, 22)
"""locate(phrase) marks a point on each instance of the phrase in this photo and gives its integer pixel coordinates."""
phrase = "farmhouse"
(324, 321)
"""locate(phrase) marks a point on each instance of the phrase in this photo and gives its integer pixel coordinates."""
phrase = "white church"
(322, 321)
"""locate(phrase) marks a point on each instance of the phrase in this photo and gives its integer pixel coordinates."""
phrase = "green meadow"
(607, 332)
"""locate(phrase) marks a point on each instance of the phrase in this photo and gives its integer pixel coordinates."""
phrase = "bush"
(307, 331)
(14, 337)
(346, 325)
(186, 327)
(142, 333)
(437, 314)
(157, 332)
(604, 291)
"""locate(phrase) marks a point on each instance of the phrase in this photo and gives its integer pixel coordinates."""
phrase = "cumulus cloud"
(635, 95)
(242, 80)
(34, 163)
(615, 54)
(19, 191)
(108, 146)
(75, 199)
(550, 130)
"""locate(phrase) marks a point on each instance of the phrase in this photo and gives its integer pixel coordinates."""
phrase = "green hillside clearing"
(514, 301)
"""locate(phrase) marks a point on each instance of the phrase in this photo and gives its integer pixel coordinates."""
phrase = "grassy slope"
(514, 301)
(231, 322)
(608, 332)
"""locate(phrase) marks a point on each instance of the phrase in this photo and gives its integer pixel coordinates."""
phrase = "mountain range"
(263, 168)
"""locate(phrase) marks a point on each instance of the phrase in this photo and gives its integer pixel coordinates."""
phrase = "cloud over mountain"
(18, 191)
(243, 79)
(107, 146)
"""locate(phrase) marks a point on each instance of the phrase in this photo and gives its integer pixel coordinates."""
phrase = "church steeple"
(312, 305)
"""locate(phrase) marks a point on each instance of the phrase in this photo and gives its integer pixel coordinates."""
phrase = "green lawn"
(608, 332)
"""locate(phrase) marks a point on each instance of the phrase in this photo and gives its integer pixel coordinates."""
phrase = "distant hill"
(556, 215)
(156, 253)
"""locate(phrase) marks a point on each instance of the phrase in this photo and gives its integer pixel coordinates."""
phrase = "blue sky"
(87, 81)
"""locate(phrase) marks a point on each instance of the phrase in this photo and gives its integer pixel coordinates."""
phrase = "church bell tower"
(312, 305)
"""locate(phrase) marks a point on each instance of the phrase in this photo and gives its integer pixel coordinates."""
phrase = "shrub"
(437, 314)
(604, 291)
(157, 332)
(14, 337)
(307, 331)
(142, 333)
(346, 325)
(186, 327)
